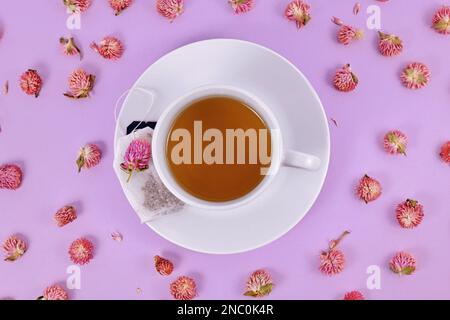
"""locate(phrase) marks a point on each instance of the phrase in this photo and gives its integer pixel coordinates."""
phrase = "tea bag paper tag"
(145, 191)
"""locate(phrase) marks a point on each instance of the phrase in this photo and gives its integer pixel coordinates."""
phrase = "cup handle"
(302, 160)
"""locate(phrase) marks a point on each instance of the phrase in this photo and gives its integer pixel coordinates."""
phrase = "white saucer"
(294, 103)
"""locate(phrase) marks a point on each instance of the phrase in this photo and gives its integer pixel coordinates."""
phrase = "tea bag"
(145, 191)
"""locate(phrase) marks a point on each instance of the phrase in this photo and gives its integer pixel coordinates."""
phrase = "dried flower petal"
(10, 176)
(117, 236)
(5, 88)
(69, 47)
(441, 20)
(345, 80)
(298, 11)
(163, 266)
(14, 248)
(337, 21)
(259, 284)
(403, 263)
(119, 5)
(80, 84)
(389, 45)
(445, 152)
(347, 34)
(415, 76)
(31, 83)
(81, 251)
(109, 48)
(356, 8)
(241, 6)
(332, 261)
(368, 189)
(170, 9)
(89, 157)
(183, 288)
(409, 214)
(137, 157)
(395, 142)
(77, 6)
(54, 292)
(354, 295)
(65, 215)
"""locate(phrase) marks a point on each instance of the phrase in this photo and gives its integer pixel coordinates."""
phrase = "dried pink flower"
(183, 288)
(298, 11)
(441, 20)
(14, 248)
(109, 48)
(368, 189)
(81, 251)
(409, 214)
(119, 5)
(337, 21)
(80, 84)
(356, 8)
(31, 83)
(137, 157)
(403, 263)
(345, 80)
(163, 266)
(89, 157)
(347, 34)
(65, 215)
(170, 9)
(332, 261)
(395, 142)
(444, 154)
(242, 6)
(354, 295)
(10, 176)
(415, 76)
(77, 5)
(54, 292)
(117, 236)
(259, 284)
(389, 44)
(69, 47)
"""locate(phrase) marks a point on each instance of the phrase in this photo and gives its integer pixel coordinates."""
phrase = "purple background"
(44, 134)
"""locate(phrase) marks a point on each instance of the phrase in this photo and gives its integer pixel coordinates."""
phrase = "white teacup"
(279, 157)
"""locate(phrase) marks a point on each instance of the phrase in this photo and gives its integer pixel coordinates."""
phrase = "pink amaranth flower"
(409, 214)
(345, 80)
(415, 76)
(31, 83)
(368, 189)
(389, 44)
(80, 84)
(163, 266)
(347, 34)
(88, 157)
(444, 154)
(241, 6)
(395, 142)
(332, 261)
(119, 5)
(81, 251)
(403, 263)
(137, 157)
(259, 284)
(183, 288)
(14, 248)
(109, 48)
(441, 20)
(10, 176)
(54, 292)
(170, 9)
(77, 6)
(354, 295)
(298, 11)
(69, 47)
(65, 215)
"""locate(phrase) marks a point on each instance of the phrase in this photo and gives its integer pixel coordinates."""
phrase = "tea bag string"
(116, 107)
